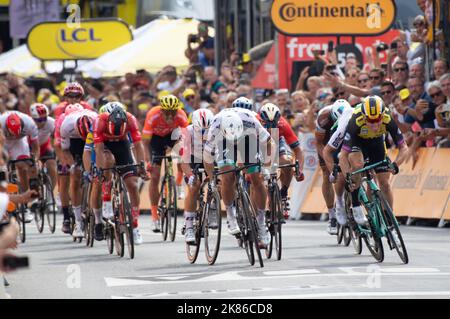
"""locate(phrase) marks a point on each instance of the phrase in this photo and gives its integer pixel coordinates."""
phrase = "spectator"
(211, 84)
(168, 80)
(283, 102)
(417, 70)
(231, 96)
(351, 77)
(422, 107)
(401, 73)
(376, 77)
(440, 67)
(364, 80)
(445, 85)
(387, 93)
(200, 40)
(191, 101)
(313, 84)
(206, 55)
(300, 102)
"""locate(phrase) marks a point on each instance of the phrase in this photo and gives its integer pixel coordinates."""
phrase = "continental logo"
(57, 41)
(324, 17)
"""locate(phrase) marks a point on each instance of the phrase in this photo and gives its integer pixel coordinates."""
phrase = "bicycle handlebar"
(236, 169)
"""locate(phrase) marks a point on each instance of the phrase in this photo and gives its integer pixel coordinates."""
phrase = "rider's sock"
(332, 213)
(98, 215)
(66, 213)
(135, 213)
(106, 190)
(154, 212)
(284, 191)
(189, 219)
(230, 211)
(355, 199)
(340, 201)
(260, 216)
(77, 213)
(179, 180)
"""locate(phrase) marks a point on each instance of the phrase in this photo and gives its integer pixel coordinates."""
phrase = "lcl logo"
(79, 35)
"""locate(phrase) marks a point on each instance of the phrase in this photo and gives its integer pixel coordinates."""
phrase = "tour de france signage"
(325, 17)
(88, 40)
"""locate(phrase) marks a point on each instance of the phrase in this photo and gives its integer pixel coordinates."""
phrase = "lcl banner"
(93, 38)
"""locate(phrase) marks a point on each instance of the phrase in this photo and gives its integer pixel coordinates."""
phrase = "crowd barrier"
(421, 189)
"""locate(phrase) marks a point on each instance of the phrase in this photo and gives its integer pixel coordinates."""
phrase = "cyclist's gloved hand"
(394, 168)
(300, 177)
(87, 177)
(149, 167)
(190, 180)
(265, 173)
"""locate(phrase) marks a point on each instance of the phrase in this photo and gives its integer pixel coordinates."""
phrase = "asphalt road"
(313, 266)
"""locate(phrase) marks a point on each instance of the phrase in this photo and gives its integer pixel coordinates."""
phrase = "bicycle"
(86, 210)
(245, 214)
(167, 207)
(381, 220)
(21, 208)
(207, 223)
(46, 205)
(121, 227)
(274, 216)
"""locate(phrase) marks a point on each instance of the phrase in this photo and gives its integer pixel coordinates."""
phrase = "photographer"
(168, 80)
(196, 41)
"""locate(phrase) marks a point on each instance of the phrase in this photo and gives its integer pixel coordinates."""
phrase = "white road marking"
(395, 270)
(291, 272)
(361, 294)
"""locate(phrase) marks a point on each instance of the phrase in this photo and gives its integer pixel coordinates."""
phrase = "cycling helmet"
(373, 108)
(117, 122)
(38, 110)
(231, 126)
(270, 114)
(84, 124)
(338, 109)
(202, 119)
(243, 102)
(14, 125)
(71, 108)
(74, 89)
(170, 102)
(109, 107)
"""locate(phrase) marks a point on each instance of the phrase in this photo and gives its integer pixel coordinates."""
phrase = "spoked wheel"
(21, 221)
(212, 227)
(39, 215)
(278, 223)
(340, 233)
(91, 228)
(245, 237)
(119, 240)
(353, 228)
(50, 205)
(172, 208)
(162, 210)
(193, 249)
(374, 243)
(347, 236)
(394, 236)
(128, 222)
(110, 237)
(253, 223)
(72, 224)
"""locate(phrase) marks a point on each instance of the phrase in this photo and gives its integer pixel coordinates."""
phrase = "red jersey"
(155, 123)
(101, 134)
(61, 108)
(285, 130)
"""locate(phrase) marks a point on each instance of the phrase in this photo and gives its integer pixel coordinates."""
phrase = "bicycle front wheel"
(373, 242)
(128, 222)
(393, 231)
(162, 209)
(250, 214)
(50, 205)
(172, 209)
(245, 237)
(354, 233)
(212, 227)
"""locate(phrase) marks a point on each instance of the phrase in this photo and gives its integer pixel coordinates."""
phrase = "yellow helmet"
(170, 102)
(373, 108)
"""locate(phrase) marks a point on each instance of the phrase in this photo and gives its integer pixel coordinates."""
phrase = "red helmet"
(14, 125)
(84, 124)
(117, 122)
(73, 108)
(38, 110)
(74, 90)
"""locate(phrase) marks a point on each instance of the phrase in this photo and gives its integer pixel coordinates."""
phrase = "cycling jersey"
(29, 127)
(155, 124)
(61, 108)
(285, 131)
(46, 132)
(324, 122)
(69, 129)
(337, 138)
(193, 141)
(101, 134)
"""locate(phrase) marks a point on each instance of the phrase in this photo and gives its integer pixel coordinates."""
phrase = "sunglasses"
(340, 94)
(386, 92)
(419, 24)
(74, 96)
(190, 97)
(439, 93)
(353, 75)
(400, 69)
(40, 120)
(363, 81)
(374, 77)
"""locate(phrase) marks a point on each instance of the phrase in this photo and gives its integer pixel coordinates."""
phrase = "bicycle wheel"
(373, 241)
(128, 221)
(21, 220)
(353, 229)
(119, 240)
(109, 237)
(245, 237)
(278, 224)
(50, 204)
(347, 236)
(38, 210)
(393, 231)
(172, 208)
(162, 209)
(91, 228)
(193, 249)
(212, 226)
(253, 223)
(340, 233)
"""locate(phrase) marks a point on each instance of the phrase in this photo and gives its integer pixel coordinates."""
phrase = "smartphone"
(394, 45)
(318, 52)
(330, 46)
(194, 38)
(384, 66)
(14, 262)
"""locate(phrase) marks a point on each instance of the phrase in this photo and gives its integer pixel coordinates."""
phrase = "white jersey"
(47, 131)
(338, 136)
(69, 127)
(29, 127)
(252, 128)
(193, 142)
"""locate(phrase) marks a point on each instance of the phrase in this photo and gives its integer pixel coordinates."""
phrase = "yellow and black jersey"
(358, 132)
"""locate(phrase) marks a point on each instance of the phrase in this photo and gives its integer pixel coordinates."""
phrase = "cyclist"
(74, 130)
(46, 129)
(21, 136)
(194, 137)
(63, 170)
(238, 128)
(161, 132)
(365, 139)
(112, 147)
(341, 112)
(271, 118)
(73, 94)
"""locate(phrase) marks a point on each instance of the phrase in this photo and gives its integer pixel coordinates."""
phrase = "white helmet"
(270, 114)
(202, 119)
(38, 110)
(338, 108)
(231, 126)
(243, 102)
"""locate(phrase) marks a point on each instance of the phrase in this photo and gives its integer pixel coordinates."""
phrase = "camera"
(193, 38)
(382, 47)
(330, 46)
(14, 262)
(394, 45)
